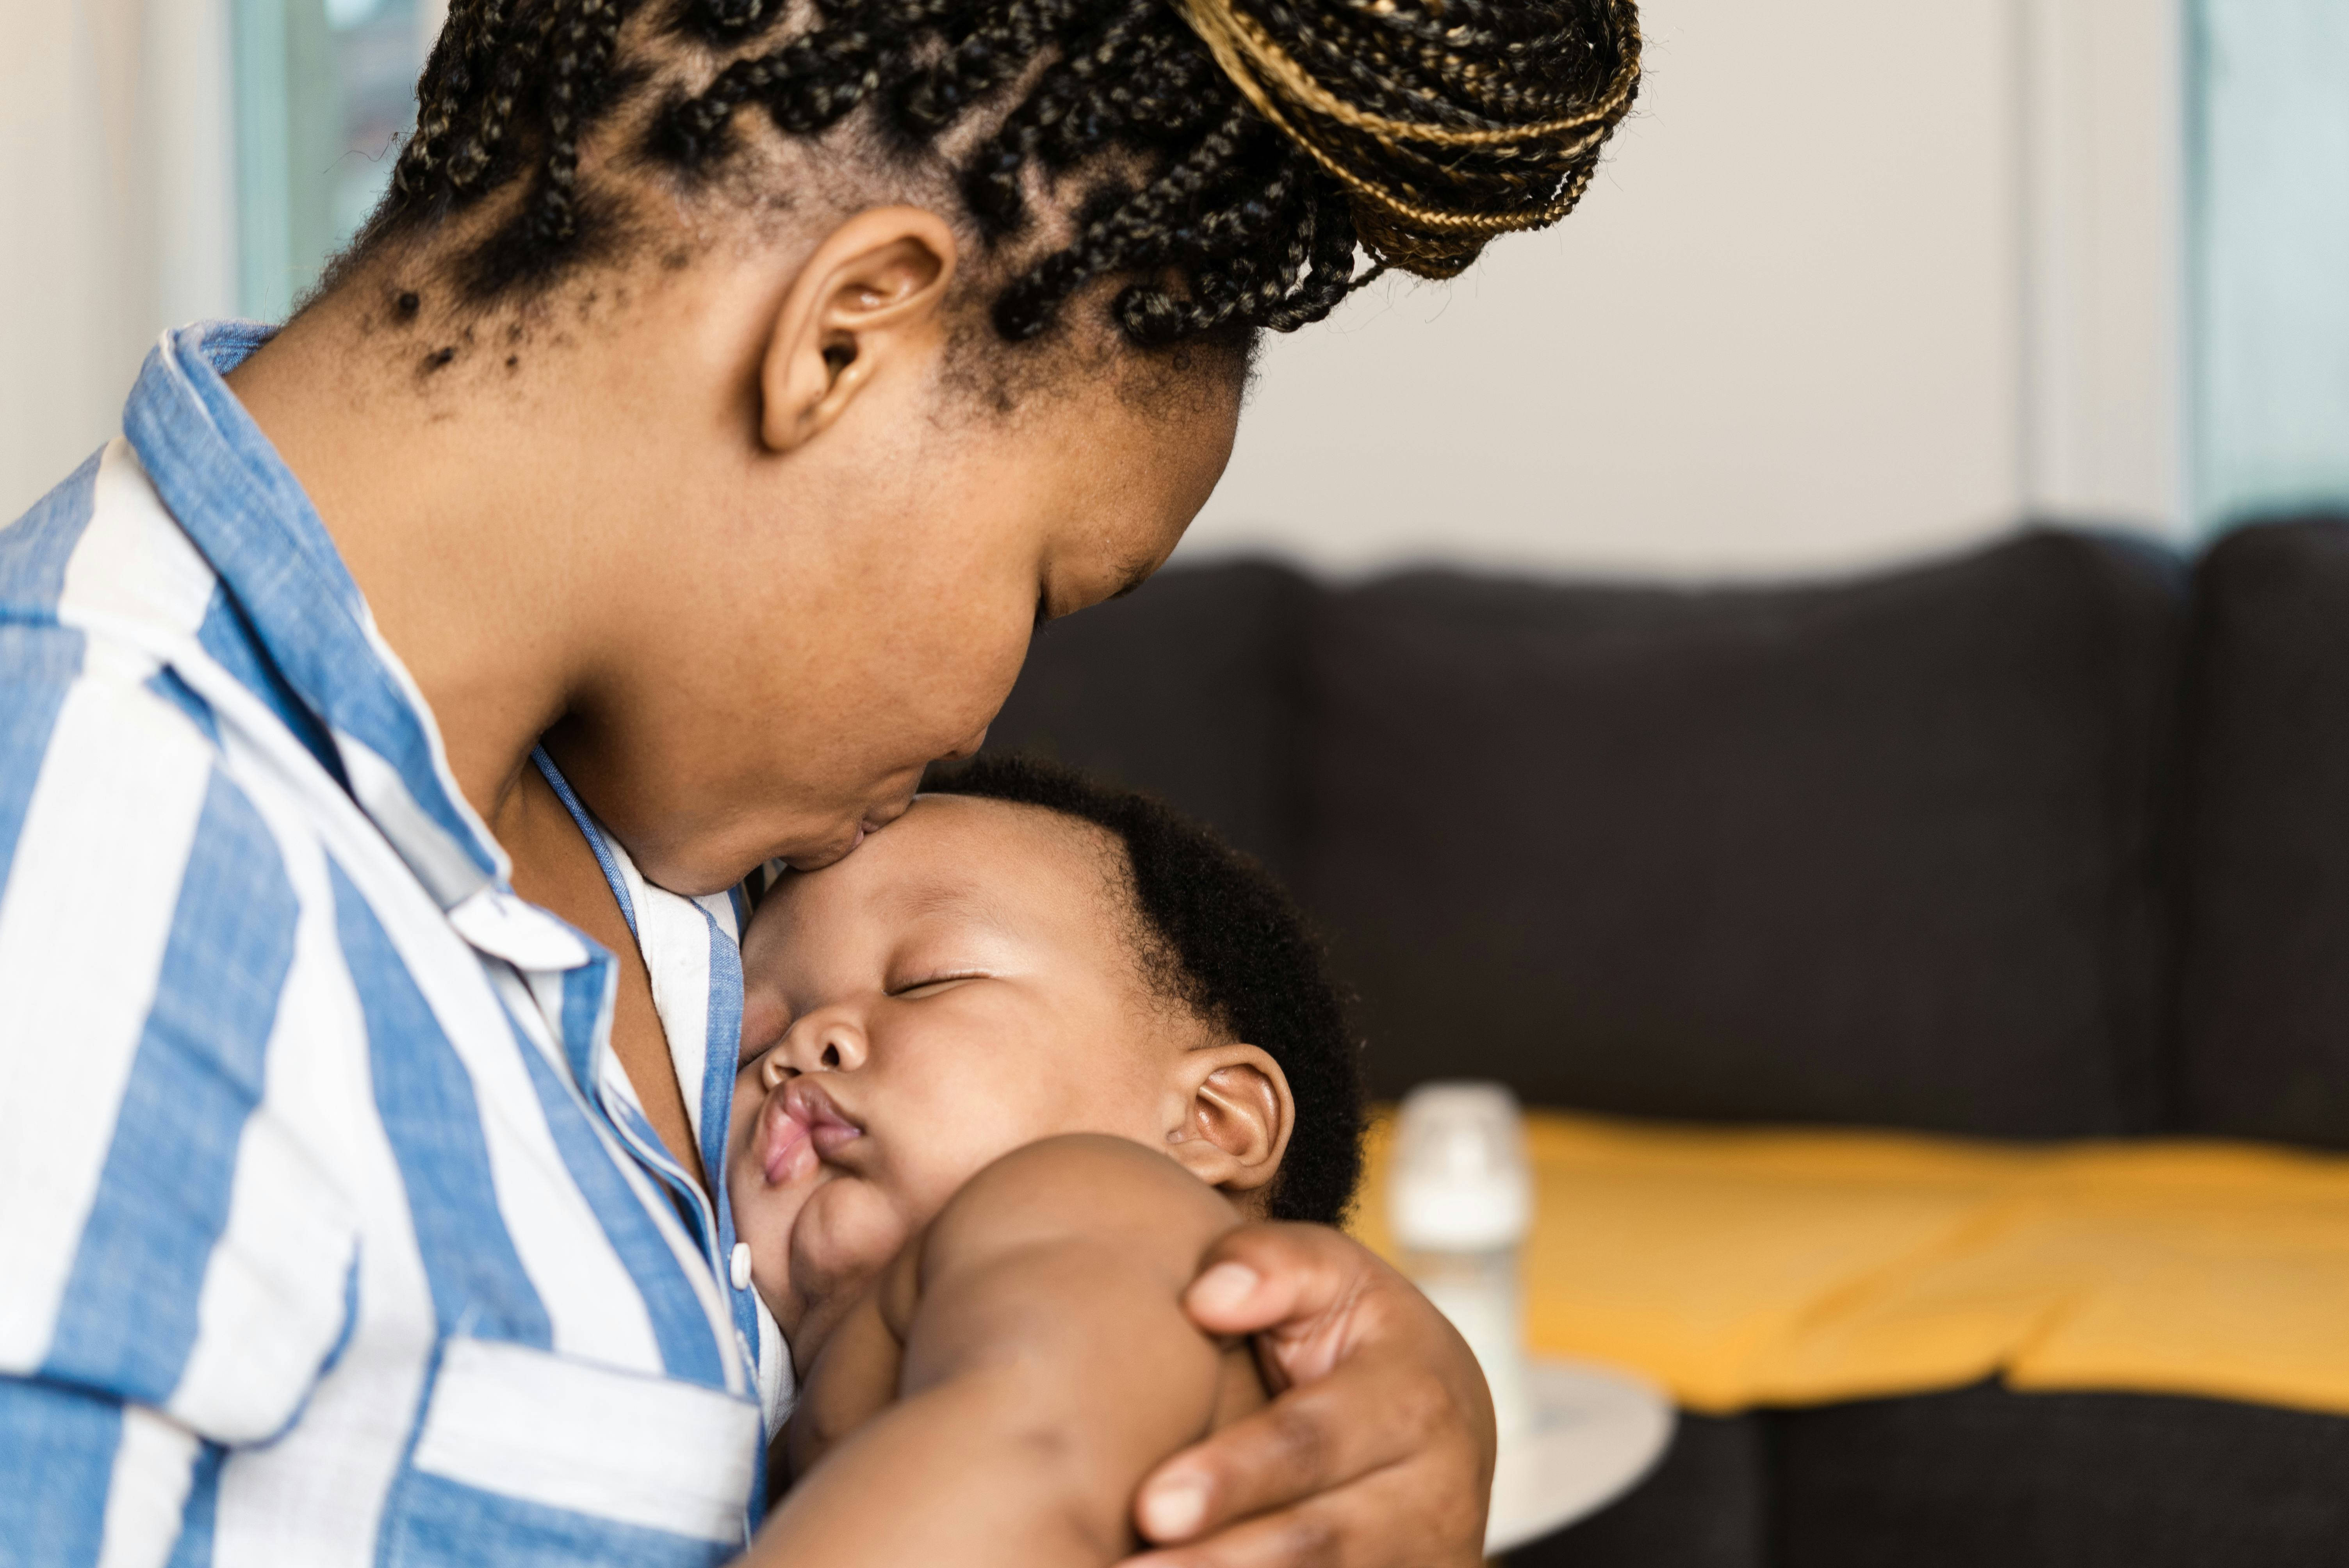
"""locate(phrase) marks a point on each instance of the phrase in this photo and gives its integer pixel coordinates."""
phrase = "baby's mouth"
(799, 1127)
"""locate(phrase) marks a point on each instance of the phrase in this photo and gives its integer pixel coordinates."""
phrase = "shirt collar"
(246, 512)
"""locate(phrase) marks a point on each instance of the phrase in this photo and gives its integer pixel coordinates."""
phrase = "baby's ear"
(1234, 1116)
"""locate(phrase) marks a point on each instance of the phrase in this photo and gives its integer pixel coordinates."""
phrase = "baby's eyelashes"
(914, 990)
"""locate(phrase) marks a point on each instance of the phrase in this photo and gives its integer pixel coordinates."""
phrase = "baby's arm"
(1047, 1367)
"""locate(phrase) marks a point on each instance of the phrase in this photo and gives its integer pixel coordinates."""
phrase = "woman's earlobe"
(1237, 1116)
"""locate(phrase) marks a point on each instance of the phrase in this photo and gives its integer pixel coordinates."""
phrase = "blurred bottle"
(1460, 1201)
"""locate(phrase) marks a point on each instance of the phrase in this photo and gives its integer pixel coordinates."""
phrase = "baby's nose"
(822, 1043)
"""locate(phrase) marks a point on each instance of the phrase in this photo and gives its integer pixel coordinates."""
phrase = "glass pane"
(325, 93)
(2270, 253)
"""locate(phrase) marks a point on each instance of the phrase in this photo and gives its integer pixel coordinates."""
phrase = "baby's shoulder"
(1091, 1188)
(1091, 1181)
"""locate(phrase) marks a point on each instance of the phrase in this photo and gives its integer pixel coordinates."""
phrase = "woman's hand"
(1377, 1451)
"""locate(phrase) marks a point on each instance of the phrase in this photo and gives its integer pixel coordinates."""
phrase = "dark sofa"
(2049, 841)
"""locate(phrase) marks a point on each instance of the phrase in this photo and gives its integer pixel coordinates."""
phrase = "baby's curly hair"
(1224, 159)
(1223, 940)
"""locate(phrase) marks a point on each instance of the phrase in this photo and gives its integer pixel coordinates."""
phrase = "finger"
(1389, 1520)
(1311, 1440)
(1376, 1383)
(1261, 1274)
(1313, 1298)
(1309, 1537)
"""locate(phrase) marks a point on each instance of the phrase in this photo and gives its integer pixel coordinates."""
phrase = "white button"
(742, 1265)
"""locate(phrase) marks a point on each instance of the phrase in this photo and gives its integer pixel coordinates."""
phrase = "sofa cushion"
(1986, 1478)
(2263, 1006)
(1869, 851)
(1189, 689)
(1705, 1505)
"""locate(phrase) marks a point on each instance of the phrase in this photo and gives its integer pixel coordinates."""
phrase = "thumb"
(1302, 1289)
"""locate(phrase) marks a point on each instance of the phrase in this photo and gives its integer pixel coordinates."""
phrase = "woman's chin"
(701, 863)
(689, 870)
(831, 851)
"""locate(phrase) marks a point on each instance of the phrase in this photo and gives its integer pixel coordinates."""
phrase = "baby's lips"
(831, 1137)
(828, 1128)
(785, 1153)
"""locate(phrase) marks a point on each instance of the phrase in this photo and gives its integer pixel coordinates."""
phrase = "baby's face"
(961, 985)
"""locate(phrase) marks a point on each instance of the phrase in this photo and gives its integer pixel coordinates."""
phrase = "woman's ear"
(869, 297)
(1234, 1114)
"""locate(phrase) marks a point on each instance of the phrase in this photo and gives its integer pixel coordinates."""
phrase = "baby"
(983, 1308)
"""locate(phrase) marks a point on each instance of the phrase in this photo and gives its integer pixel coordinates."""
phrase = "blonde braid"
(1550, 162)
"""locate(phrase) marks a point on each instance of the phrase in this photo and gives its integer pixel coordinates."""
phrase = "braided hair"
(1224, 160)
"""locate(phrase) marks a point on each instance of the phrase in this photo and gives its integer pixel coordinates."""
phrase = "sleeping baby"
(1007, 1072)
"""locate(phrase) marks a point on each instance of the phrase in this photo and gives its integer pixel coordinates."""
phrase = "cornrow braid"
(1222, 160)
(586, 38)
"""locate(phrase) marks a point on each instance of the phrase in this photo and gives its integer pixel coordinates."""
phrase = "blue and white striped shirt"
(331, 1231)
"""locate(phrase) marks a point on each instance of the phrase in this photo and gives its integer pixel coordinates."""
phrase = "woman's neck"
(487, 522)
(462, 530)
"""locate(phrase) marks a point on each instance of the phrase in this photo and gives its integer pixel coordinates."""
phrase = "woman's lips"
(799, 1127)
(840, 849)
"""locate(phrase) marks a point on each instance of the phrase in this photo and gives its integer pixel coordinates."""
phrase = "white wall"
(1784, 332)
(1861, 279)
(114, 175)
(2104, 322)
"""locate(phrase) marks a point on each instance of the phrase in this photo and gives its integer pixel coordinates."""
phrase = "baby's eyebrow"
(962, 900)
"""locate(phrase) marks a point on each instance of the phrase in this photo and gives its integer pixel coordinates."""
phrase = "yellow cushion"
(1741, 1267)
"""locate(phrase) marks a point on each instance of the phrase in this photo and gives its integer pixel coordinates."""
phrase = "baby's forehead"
(971, 839)
(998, 862)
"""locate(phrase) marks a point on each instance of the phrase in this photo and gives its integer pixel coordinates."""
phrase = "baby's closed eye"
(912, 990)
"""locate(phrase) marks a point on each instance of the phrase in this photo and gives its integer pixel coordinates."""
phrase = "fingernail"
(1174, 1508)
(1224, 1289)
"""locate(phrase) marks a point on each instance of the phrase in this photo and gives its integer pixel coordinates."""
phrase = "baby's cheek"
(844, 1235)
(764, 1015)
(763, 1222)
(738, 1125)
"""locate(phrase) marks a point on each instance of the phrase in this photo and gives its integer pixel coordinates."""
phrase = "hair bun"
(1447, 121)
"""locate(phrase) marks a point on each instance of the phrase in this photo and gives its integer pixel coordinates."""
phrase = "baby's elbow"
(1083, 1505)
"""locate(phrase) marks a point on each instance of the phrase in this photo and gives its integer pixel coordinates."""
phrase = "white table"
(1596, 1432)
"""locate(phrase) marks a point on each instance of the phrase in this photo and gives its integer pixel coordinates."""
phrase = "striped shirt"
(331, 1231)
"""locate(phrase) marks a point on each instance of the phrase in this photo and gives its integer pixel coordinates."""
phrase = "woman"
(678, 463)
